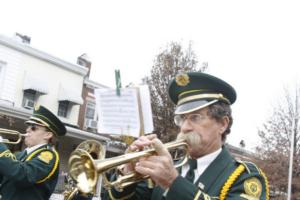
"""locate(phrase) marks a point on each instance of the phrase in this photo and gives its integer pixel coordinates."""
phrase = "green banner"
(118, 81)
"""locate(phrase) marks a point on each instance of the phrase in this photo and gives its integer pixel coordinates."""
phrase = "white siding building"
(30, 77)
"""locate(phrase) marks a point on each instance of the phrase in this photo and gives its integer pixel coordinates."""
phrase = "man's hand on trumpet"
(138, 145)
(159, 167)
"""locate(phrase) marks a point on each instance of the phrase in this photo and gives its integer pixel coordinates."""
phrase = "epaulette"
(251, 168)
(230, 181)
(44, 154)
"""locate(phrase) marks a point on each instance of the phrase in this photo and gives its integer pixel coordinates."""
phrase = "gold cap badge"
(182, 79)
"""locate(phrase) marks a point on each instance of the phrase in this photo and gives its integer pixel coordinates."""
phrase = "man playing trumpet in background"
(203, 114)
(33, 173)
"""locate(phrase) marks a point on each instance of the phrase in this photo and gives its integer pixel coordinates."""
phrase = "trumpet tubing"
(69, 194)
(85, 170)
(11, 133)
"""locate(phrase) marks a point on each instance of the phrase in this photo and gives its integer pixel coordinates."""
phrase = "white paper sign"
(118, 114)
(146, 108)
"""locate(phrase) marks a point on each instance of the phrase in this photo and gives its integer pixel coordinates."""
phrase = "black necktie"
(190, 175)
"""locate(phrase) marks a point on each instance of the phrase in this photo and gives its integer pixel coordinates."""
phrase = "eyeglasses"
(193, 118)
(34, 127)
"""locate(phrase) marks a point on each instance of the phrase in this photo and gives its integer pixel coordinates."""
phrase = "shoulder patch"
(46, 156)
(253, 187)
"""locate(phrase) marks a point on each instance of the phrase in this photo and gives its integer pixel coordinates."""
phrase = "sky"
(253, 45)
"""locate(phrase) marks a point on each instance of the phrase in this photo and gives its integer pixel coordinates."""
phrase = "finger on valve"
(160, 148)
(141, 143)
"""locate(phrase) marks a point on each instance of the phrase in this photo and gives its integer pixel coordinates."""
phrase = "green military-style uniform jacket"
(224, 178)
(28, 177)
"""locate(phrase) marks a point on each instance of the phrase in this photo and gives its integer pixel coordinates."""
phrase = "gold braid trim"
(202, 96)
(7, 153)
(206, 197)
(45, 123)
(237, 172)
(150, 183)
(197, 195)
(267, 184)
(122, 198)
(53, 169)
(4, 153)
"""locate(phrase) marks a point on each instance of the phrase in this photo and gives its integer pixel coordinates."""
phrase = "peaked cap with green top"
(44, 117)
(195, 90)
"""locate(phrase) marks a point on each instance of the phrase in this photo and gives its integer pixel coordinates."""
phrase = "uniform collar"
(216, 168)
(204, 162)
(31, 149)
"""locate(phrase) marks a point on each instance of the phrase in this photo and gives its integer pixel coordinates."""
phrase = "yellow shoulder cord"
(55, 164)
(237, 172)
(4, 153)
(7, 153)
(267, 184)
(150, 183)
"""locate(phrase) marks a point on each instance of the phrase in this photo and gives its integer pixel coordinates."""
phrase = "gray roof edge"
(73, 132)
(42, 55)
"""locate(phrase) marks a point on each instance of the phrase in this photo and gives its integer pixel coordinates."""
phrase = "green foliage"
(170, 62)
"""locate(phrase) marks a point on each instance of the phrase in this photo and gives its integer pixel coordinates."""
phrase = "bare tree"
(276, 141)
(170, 62)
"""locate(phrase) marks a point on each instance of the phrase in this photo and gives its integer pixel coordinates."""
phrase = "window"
(29, 99)
(63, 108)
(2, 65)
(89, 122)
(1, 70)
(90, 110)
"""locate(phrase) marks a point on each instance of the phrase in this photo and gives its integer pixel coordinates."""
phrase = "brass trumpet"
(85, 170)
(13, 133)
(96, 151)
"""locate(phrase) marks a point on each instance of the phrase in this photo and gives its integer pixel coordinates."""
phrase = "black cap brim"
(28, 122)
(193, 106)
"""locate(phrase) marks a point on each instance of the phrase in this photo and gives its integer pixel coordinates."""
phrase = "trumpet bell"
(82, 167)
(83, 170)
(93, 147)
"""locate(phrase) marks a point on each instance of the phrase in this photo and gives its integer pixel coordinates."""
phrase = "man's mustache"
(192, 138)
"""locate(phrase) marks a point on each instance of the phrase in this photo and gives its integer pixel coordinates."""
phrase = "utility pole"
(294, 129)
(291, 160)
